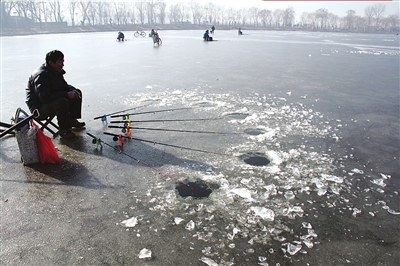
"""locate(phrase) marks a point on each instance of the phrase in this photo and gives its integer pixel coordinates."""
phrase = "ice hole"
(154, 101)
(205, 104)
(238, 116)
(254, 132)
(197, 189)
(255, 159)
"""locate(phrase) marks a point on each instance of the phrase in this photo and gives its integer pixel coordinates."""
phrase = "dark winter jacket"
(44, 86)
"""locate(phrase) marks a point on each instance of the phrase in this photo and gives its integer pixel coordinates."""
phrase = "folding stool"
(44, 124)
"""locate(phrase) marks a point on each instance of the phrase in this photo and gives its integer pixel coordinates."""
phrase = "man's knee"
(57, 107)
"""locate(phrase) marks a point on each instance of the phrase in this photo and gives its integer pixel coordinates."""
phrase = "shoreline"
(116, 28)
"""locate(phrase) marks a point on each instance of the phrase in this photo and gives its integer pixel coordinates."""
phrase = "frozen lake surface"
(323, 108)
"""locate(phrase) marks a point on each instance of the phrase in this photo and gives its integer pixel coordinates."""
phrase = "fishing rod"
(175, 130)
(7, 126)
(98, 141)
(151, 112)
(133, 108)
(165, 120)
(116, 137)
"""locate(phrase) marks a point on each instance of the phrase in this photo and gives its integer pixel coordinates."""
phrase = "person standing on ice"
(212, 29)
(50, 94)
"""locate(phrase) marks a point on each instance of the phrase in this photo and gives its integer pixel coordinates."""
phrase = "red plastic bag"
(47, 151)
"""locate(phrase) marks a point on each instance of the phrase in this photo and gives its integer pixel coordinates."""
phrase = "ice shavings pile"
(251, 202)
(371, 51)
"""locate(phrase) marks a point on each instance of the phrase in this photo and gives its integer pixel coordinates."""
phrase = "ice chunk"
(177, 92)
(273, 169)
(190, 225)
(393, 212)
(178, 220)
(303, 251)
(245, 181)
(333, 178)
(289, 195)
(250, 250)
(145, 254)
(306, 225)
(264, 213)
(242, 192)
(293, 249)
(379, 182)
(208, 261)
(380, 190)
(385, 176)
(251, 118)
(206, 251)
(321, 192)
(269, 190)
(274, 156)
(131, 222)
(312, 233)
(356, 211)
(232, 236)
(262, 258)
(334, 190)
(308, 243)
(357, 171)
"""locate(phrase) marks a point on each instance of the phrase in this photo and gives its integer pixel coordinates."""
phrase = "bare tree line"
(151, 12)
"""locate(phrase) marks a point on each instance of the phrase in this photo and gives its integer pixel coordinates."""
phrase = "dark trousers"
(65, 110)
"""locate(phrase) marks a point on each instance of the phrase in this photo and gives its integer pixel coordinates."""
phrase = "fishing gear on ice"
(96, 140)
(117, 137)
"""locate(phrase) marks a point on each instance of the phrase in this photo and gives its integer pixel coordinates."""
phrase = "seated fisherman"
(120, 36)
(206, 36)
(50, 94)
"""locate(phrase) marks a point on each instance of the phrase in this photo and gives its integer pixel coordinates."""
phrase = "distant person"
(50, 94)
(153, 33)
(240, 32)
(120, 37)
(212, 29)
(206, 36)
(156, 37)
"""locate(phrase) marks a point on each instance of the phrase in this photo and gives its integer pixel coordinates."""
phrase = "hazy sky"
(336, 7)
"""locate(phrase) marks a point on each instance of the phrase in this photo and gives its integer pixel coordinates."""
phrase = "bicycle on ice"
(141, 33)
